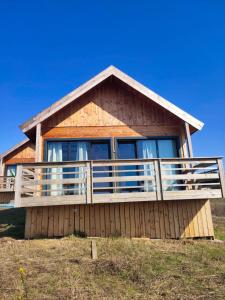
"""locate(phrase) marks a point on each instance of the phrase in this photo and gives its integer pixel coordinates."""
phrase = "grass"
(12, 223)
(125, 269)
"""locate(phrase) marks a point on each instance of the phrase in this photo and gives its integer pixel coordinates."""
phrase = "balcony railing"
(86, 182)
(7, 183)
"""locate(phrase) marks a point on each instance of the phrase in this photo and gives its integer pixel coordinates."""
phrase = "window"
(11, 170)
(79, 150)
(147, 148)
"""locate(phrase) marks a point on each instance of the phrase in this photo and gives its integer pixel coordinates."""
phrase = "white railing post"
(89, 184)
(221, 176)
(18, 185)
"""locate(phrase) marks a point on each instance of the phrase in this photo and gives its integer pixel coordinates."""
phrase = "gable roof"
(110, 71)
(14, 148)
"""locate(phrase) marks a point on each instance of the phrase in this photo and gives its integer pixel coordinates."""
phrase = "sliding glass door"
(76, 150)
(144, 149)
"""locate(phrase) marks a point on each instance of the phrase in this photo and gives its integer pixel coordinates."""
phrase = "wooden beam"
(38, 143)
(189, 142)
(1, 167)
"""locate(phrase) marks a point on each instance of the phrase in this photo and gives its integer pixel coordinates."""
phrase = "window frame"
(135, 139)
(90, 140)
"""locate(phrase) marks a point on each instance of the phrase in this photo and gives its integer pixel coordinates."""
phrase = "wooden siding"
(110, 131)
(113, 104)
(6, 197)
(164, 219)
(23, 154)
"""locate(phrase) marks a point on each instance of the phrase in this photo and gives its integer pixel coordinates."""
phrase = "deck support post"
(188, 137)
(221, 176)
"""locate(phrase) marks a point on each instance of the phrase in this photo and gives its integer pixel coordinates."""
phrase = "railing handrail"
(122, 160)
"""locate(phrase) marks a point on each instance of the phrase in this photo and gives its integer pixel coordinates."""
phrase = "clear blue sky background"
(177, 48)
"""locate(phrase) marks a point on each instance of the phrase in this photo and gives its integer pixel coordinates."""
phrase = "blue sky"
(177, 48)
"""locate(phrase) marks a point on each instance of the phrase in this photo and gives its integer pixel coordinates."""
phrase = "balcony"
(109, 181)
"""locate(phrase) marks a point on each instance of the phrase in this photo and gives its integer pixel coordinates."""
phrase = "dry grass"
(125, 269)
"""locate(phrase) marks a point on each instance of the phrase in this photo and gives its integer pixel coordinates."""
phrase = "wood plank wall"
(23, 154)
(109, 110)
(164, 219)
(6, 197)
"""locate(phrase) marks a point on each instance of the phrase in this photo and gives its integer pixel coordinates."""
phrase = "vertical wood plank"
(199, 218)
(39, 221)
(56, 221)
(33, 221)
(176, 220)
(27, 234)
(71, 219)
(44, 224)
(142, 221)
(50, 221)
(97, 220)
(209, 218)
(82, 222)
(117, 219)
(161, 221)
(152, 220)
(61, 220)
(190, 218)
(92, 220)
(127, 219)
(77, 219)
(147, 219)
(171, 220)
(204, 219)
(112, 220)
(185, 218)
(166, 219)
(122, 220)
(102, 219)
(87, 219)
(157, 221)
(137, 220)
(66, 219)
(132, 219)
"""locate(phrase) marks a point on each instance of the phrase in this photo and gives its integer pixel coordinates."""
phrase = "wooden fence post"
(18, 185)
(94, 253)
(221, 176)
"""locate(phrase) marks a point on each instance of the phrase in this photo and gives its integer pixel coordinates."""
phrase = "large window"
(79, 150)
(147, 148)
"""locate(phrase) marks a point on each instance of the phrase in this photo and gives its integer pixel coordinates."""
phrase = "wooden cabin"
(112, 158)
